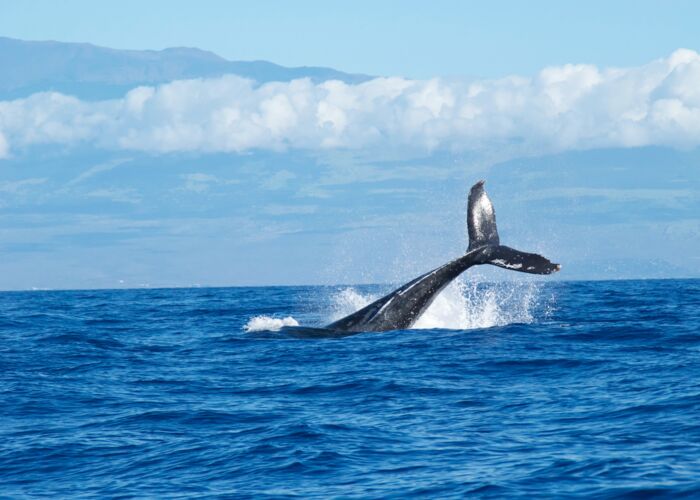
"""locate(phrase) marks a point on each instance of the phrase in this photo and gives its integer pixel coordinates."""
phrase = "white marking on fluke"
(503, 263)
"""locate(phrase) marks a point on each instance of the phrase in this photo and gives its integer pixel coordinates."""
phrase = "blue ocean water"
(549, 389)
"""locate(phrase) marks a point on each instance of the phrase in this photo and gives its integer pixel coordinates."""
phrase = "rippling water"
(555, 389)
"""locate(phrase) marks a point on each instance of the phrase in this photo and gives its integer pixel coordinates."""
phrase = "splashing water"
(343, 302)
(266, 323)
(347, 301)
(461, 306)
(466, 305)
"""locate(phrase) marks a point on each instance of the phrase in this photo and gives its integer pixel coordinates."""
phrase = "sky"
(410, 38)
(583, 119)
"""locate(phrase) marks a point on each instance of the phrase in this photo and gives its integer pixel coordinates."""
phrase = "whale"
(400, 309)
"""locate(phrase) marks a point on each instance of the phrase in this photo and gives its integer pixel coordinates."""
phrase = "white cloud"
(198, 182)
(560, 108)
(117, 195)
(290, 209)
(4, 147)
(96, 170)
(17, 187)
(278, 180)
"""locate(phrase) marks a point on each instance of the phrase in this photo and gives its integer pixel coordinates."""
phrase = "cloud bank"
(561, 108)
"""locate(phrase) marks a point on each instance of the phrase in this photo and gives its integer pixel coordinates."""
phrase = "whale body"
(401, 308)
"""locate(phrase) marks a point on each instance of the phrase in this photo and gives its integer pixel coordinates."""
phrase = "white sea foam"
(266, 323)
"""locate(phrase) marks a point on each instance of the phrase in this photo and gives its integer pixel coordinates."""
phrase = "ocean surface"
(516, 389)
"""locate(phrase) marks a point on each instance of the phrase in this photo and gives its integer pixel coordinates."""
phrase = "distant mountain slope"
(92, 72)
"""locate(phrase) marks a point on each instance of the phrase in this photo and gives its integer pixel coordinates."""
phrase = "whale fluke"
(515, 260)
(481, 218)
(483, 234)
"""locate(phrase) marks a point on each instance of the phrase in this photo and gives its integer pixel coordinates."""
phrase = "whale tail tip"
(483, 233)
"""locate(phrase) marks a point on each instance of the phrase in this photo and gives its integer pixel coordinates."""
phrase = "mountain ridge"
(93, 72)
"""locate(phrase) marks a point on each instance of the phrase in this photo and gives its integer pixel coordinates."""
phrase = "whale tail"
(481, 223)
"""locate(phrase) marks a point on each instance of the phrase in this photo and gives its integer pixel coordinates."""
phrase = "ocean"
(516, 389)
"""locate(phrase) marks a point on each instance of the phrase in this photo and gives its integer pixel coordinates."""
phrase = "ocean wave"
(592, 398)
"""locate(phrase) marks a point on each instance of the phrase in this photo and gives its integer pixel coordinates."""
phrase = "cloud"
(290, 209)
(17, 187)
(575, 106)
(278, 180)
(117, 195)
(4, 147)
(199, 182)
(96, 170)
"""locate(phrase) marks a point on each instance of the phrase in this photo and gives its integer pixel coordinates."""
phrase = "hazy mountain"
(88, 217)
(91, 72)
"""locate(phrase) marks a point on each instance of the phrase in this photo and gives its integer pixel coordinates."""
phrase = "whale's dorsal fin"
(481, 218)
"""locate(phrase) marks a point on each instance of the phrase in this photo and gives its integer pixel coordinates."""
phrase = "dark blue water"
(161, 393)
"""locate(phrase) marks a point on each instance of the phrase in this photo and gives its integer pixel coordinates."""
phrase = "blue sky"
(409, 38)
(583, 118)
